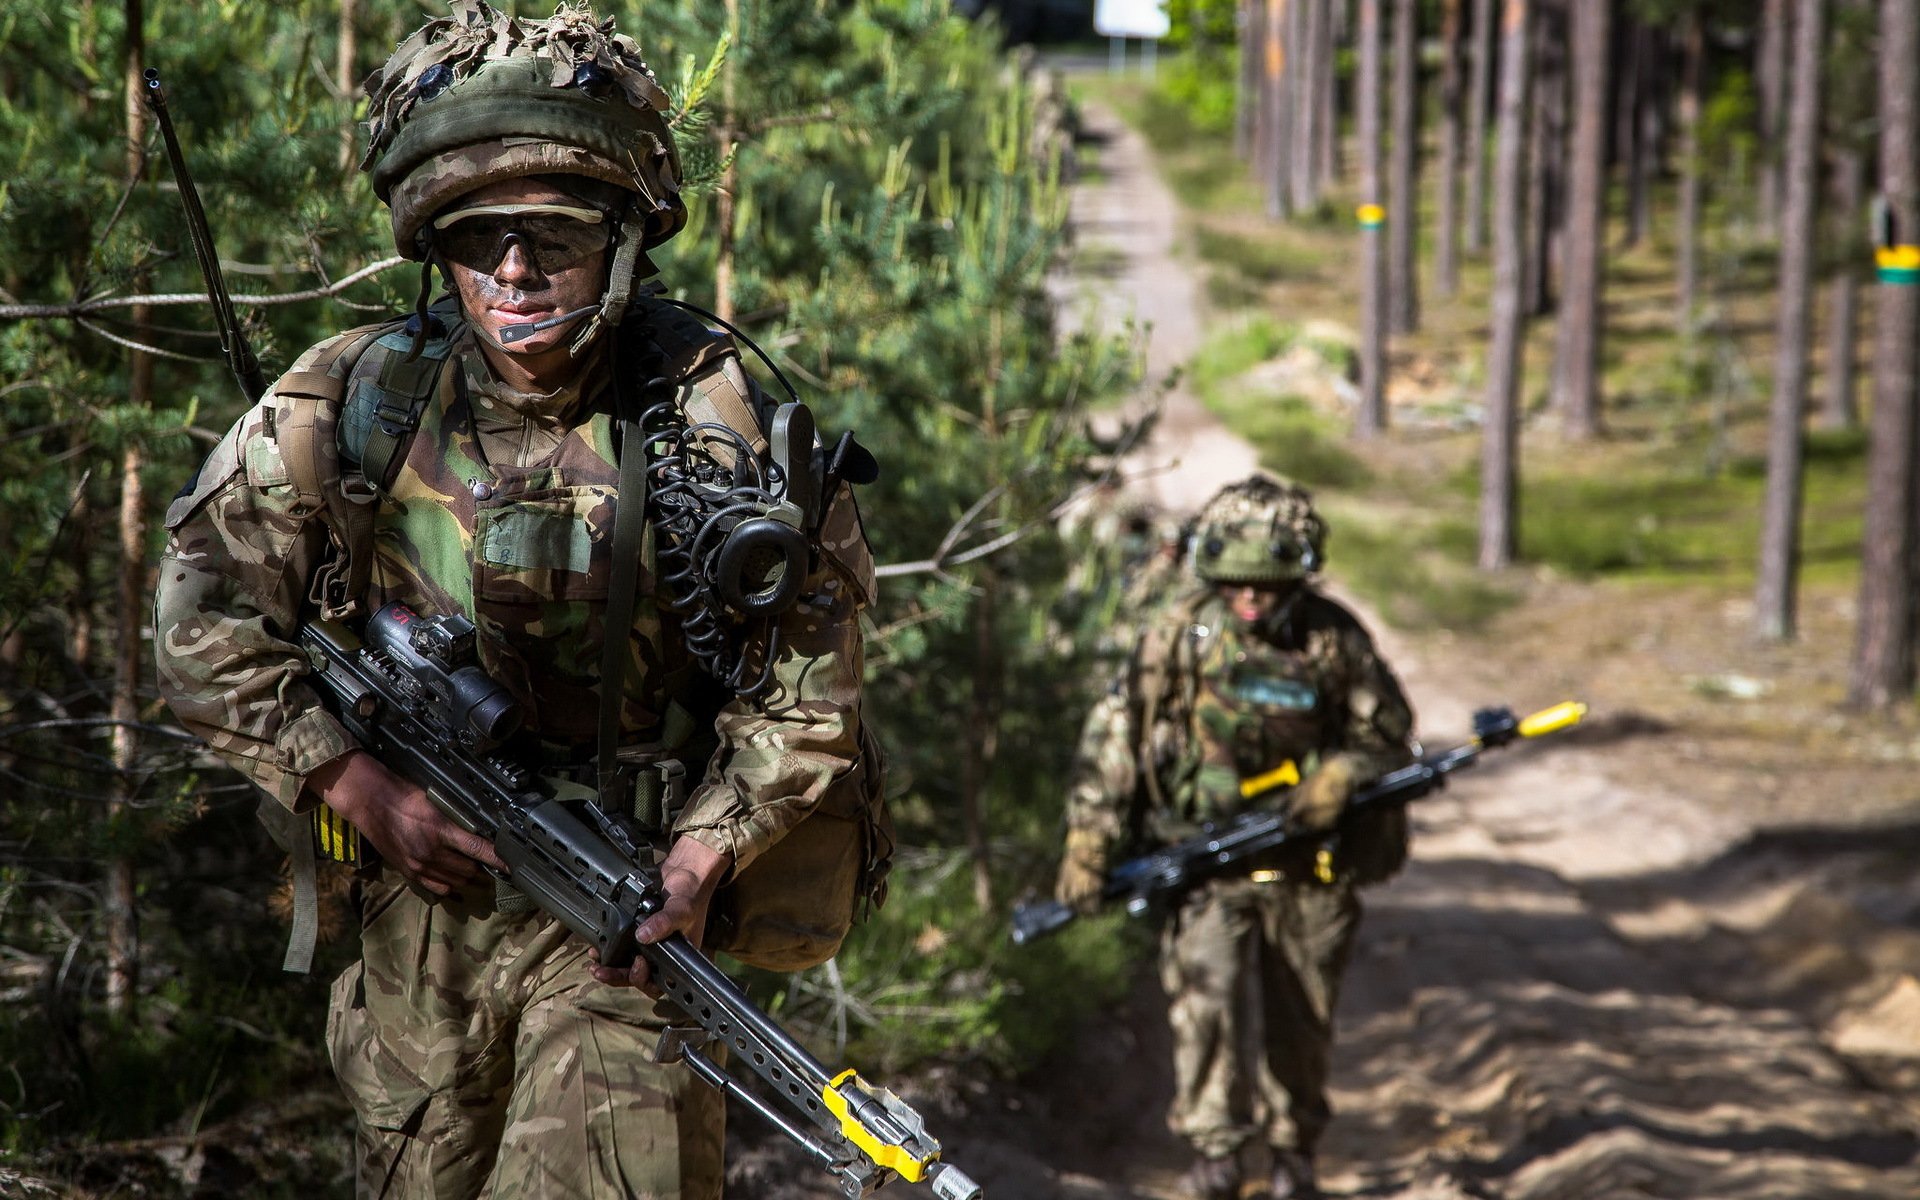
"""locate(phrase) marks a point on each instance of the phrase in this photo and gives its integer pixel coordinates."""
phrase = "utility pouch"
(793, 906)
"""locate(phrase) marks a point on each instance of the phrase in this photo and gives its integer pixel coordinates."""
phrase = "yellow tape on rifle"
(1284, 775)
(1553, 720)
(894, 1158)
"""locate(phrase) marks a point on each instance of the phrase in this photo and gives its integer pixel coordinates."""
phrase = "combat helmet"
(1261, 531)
(480, 96)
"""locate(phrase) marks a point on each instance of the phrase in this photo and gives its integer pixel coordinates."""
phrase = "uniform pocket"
(384, 1093)
(548, 546)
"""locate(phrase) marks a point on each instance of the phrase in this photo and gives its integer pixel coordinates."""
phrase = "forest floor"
(1674, 954)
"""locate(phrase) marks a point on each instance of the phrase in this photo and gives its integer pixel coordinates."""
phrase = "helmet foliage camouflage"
(1259, 531)
(479, 96)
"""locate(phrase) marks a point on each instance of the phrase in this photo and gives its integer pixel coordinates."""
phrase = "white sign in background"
(1132, 18)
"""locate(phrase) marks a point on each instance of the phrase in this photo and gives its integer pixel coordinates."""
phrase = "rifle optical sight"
(437, 658)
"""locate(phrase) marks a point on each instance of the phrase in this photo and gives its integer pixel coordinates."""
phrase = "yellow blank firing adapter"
(882, 1127)
(1553, 720)
(1284, 775)
(885, 1130)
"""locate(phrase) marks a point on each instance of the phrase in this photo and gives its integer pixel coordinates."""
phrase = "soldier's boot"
(1213, 1178)
(1293, 1177)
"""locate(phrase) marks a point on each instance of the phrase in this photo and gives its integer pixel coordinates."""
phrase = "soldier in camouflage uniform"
(1256, 670)
(485, 1054)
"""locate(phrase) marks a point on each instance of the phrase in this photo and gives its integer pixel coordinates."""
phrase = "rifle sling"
(630, 538)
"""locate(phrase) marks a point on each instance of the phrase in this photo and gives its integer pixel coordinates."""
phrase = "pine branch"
(79, 308)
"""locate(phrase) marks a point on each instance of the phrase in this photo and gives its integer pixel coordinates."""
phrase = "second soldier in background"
(1254, 670)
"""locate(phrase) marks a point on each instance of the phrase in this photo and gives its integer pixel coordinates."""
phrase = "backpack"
(343, 430)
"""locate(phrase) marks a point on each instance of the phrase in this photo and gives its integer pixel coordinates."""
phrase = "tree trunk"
(80, 616)
(1479, 117)
(119, 914)
(1883, 665)
(1246, 96)
(1326, 134)
(1546, 155)
(346, 54)
(1627, 96)
(1576, 383)
(1841, 410)
(1403, 314)
(1277, 154)
(1372, 418)
(1770, 78)
(1446, 243)
(1304, 85)
(1500, 439)
(1773, 597)
(726, 198)
(1648, 129)
(1693, 86)
(984, 726)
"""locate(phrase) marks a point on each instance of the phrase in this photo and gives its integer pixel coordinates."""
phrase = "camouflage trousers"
(1252, 972)
(483, 1060)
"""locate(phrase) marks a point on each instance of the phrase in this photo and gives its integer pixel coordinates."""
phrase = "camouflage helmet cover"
(479, 96)
(1260, 531)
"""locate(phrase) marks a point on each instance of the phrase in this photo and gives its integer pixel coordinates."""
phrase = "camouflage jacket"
(503, 512)
(1209, 702)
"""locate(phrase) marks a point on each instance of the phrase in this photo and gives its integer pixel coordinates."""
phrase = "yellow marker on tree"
(1372, 216)
(1898, 264)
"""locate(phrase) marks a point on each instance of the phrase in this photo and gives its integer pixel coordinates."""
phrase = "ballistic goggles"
(553, 236)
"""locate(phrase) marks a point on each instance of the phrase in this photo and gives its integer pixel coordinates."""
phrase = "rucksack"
(343, 430)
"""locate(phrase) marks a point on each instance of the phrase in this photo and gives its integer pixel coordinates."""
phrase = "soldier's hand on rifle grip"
(1083, 871)
(688, 878)
(1317, 803)
(408, 829)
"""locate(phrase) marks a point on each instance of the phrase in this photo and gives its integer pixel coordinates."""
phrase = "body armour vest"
(524, 551)
(1259, 703)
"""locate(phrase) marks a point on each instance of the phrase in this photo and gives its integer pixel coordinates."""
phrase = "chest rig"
(734, 490)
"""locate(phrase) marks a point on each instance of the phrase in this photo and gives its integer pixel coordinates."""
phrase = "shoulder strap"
(1156, 671)
(311, 405)
(306, 424)
(679, 348)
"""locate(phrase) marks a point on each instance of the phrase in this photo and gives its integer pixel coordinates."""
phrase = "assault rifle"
(1149, 882)
(416, 698)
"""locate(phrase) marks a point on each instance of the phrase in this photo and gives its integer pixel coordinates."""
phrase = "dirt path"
(1587, 985)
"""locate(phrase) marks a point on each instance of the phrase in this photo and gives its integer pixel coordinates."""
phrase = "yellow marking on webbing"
(1553, 720)
(1284, 775)
(1323, 865)
(337, 838)
(893, 1158)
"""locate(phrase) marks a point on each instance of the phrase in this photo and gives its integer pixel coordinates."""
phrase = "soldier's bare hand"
(1083, 871)
(410, 832)
(689, 877)
(1322, 797)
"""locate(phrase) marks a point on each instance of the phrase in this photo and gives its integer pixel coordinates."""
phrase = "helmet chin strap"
(627, 260)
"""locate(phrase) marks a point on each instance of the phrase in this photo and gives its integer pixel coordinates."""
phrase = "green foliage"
(1203, 24)
(930, 981)
(1203, 89)
(1655, 519)
(1417, 574)
(1294, 437)
(896, 220)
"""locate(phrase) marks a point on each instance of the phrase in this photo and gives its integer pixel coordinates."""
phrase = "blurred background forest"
(1667, 241)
